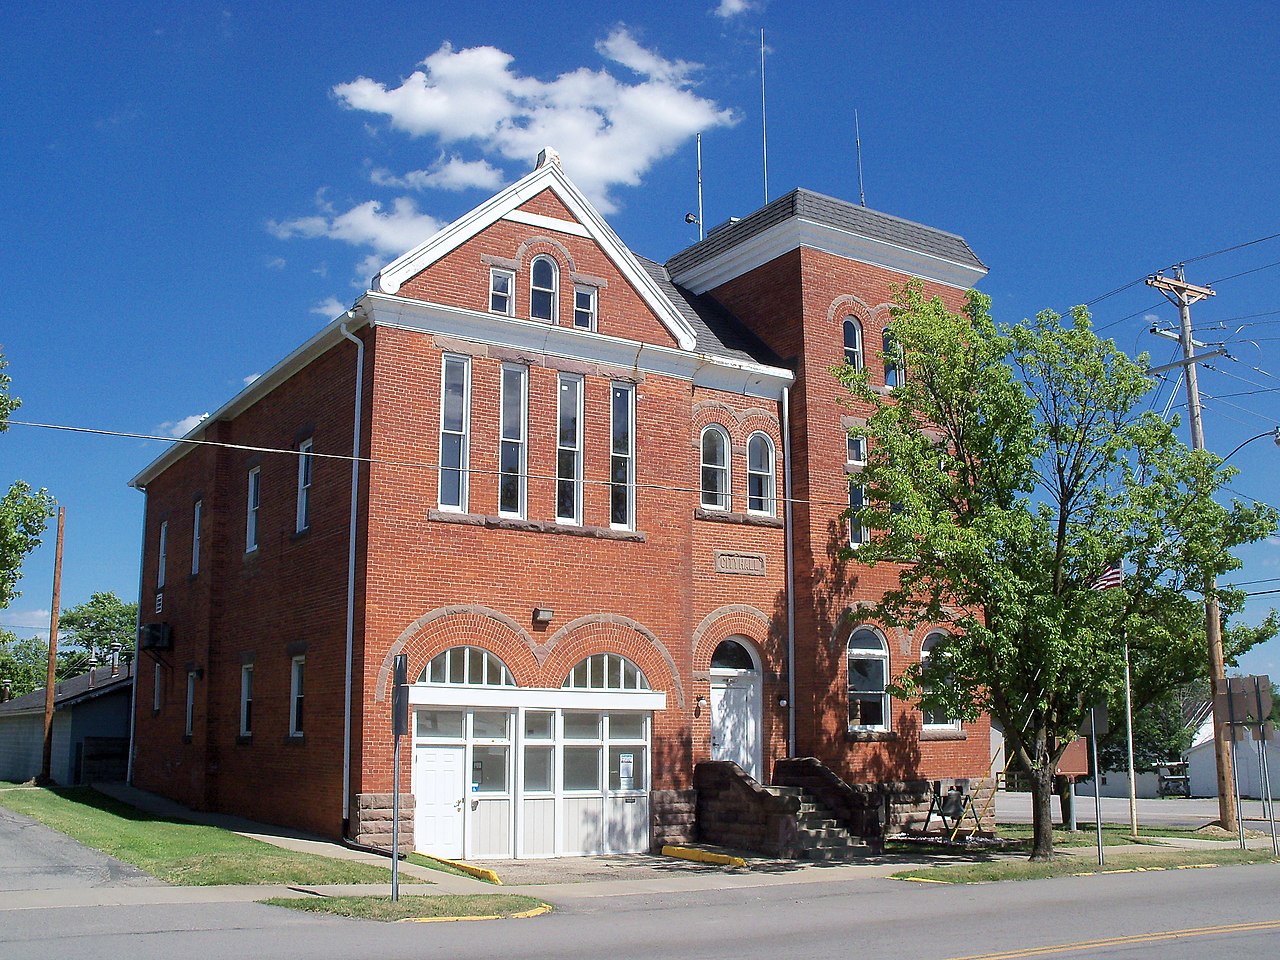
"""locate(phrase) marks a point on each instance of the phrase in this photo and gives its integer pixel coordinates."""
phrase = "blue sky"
(190, 190)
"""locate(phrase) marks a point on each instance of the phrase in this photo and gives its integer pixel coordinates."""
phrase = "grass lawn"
(176, 851)
(488, 905)
(1113, 835)
(992, 870)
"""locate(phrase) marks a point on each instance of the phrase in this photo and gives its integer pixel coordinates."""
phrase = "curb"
(480, 873)
(522, 915)
(702, 856)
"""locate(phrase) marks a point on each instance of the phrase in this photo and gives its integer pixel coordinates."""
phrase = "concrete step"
(828, 833)
(826, 843)
(828, 855)
(786, 791)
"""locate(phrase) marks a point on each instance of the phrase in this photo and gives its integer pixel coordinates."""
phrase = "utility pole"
(1182, 295)
(46, 763)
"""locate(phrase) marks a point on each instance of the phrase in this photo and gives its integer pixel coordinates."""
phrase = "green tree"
(23, 662)
(1011, 467)
(23, 512)
(100, 621)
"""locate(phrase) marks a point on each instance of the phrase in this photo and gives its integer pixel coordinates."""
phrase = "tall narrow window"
(191, 704)
(760, 484)
(544, 289)
(857, 450)
(569, 450)
(164, 554)
(501, 287)
(715, 468)
(895, 370)
(455, 414)
(858, 533)
(622, 462)
(304, 484)
(853, 343)
(197, 514)
(868, 680)
(936, 718)
(297, 674)
(157, 675)
(584, 307)
(251, 510)
(512, 451)
(246, 700)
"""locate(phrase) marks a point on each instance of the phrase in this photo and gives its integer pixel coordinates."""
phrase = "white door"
(439, 790)
(735, 720)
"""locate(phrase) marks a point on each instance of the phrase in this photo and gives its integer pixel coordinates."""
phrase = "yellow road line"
(1131, 939)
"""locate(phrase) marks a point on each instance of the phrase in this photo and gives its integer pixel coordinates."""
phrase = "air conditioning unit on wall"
(155, 636)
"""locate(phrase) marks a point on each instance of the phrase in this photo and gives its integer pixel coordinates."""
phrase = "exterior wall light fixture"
(543, 614)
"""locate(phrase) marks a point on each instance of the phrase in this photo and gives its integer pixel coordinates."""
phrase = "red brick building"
(569, 508)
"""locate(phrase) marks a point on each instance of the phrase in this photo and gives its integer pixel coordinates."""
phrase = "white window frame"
(197, 515)
(246, 700)
(926, 647)
(853, 353)
(190, 723)
(859, 533)
(894, 361)
(881, 655)
(521, 442)
(464, 456)
(252, 505)
(591, 311)
(305, 466)
(627, 457)
(157, 680)
(576, 449)
(770, 476)
(297, 691)
(164, 554)
(724, 500)
(856, 452)
(509, 296)
(554, 289)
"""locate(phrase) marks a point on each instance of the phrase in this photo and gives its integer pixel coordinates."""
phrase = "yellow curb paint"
(522, 915)
(480, 873)
(702, 856)
(920, 880)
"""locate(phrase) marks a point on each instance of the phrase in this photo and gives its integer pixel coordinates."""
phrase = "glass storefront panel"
(627, 768)
(489, 769)
(440, 723)
(539, 725)
(581, 768)
(490, 725)
(581, 726)
(537, 769)
(626, 726)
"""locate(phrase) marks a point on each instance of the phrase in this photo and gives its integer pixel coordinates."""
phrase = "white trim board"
(431, 695)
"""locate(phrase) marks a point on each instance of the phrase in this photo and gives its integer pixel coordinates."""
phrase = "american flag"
(1113, 576)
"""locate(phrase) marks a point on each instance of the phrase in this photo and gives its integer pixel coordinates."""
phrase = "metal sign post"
(1233, 691)
(1264, 732)
(399, 727)
(1094, 725)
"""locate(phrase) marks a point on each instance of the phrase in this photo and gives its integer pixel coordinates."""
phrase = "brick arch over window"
(734, 620)
(851, 306)
(609, 633)
(457, 625)
(860, 613)
(739, 423)
(548, 246)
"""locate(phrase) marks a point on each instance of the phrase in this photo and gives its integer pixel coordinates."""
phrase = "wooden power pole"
(1182, 295)
(46, 764)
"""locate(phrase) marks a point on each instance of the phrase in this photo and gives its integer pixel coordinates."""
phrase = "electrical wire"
(1245, 273)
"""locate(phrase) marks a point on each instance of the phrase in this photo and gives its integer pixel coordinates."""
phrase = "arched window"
(715, 468)
(467, 665)
(868, 676)
(853, 343)
(605, 671)
(895, 370)
(760, 485)
(936, 719)
(544, 289)
(732, 655)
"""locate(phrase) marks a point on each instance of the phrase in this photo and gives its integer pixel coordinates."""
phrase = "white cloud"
(180, 428)
(250, 378)
(454, 174)
(329, 308)
(365, 225)
(609, 132)
(22, 622)
(731, 8)
(275, 263)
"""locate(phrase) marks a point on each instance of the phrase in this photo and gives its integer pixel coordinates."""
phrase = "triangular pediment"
(506, 205)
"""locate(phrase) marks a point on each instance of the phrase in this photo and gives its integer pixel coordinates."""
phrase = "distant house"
(1202, 765)
(90, 730)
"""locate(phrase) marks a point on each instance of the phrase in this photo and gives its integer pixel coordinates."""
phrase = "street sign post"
(399, 727)
(1095, 725)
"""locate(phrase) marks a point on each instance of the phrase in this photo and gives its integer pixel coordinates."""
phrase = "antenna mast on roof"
(857, 143)
(764, 122)
(689, 217)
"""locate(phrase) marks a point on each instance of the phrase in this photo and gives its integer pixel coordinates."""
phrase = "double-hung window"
(622, 461)
(868, 680)
(853, 343)
(246, 700)
(297, 676)
(197, 514)
(544, 289)
(191, 704)
(760, 476)
(569, 450)
(164, 554)
(715, 468)
(512, 452)
(857, 451)
(455, 415)
(858, 533)
(936, 719)
(895, 370)
(502, 285)
(304, 484)
(251, 510)
(157, 685)
(584, 307)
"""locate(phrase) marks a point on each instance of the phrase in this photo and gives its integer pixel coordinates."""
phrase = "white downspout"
(791, 593)
(351, 571)
(137, 653)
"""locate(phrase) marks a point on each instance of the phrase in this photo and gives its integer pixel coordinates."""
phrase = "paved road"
(1170, 915)
(33, 857)
(1168, 812)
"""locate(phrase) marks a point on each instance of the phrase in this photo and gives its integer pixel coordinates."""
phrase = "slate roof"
(835, 213)
(70, 691)
(719, 334)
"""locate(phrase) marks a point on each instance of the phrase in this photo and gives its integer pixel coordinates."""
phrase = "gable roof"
(840, 226)
(69, 692)
(505, 204)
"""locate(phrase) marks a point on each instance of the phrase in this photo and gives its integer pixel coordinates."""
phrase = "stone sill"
(870, 736)
(947, 733)
(535, 526)
(244, 739)
(748, 519)
(295, 739)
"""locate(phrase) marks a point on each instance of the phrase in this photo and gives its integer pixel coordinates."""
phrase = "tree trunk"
(1042, 813)
(1066, 801)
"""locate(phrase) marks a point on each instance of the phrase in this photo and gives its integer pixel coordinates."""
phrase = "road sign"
(400, 697)
(1096, 717)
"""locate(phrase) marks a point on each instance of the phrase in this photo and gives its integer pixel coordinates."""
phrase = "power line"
(1238, 246)
(1245, 273)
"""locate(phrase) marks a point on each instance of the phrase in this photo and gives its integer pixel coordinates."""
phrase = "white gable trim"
(547, 223)
(796, 232)
(503, 204)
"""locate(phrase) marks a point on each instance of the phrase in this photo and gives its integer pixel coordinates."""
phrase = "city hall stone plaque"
(741, 564)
